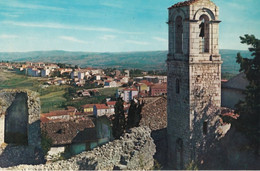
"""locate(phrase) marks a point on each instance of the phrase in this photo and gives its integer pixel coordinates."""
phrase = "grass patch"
(52, 101)
(10, 80)
(52, 98)
(108, 91)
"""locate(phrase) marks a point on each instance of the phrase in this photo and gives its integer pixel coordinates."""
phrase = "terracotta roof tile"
(185, 3)
(130, 89)
(101, 106)
(66, 132)
(111, 103)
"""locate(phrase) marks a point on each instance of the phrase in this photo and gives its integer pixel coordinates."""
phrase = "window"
(178, 34)
(204, 33)
(205, 128)
(177, 86)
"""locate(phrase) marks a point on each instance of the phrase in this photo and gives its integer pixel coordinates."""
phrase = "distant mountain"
(150, 60)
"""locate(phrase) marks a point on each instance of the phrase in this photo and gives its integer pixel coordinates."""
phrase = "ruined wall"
(134, 151)
(16, 120)
(32, 108)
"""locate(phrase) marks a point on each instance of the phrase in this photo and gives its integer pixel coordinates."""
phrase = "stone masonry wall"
(33, 104)
(199, 75)
(133, 151)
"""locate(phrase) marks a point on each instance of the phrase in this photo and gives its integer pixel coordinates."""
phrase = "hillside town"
(87, 82)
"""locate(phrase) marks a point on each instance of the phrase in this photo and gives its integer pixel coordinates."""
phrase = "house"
(232, 90)
(99, 82)
(100, 110)
(127, 94)
(124, 80)
(162, 79)
(109, 84)
(111, 105)
(97, 77)
(45, 72)
(142, 87)
(34, 72)
(117, 73)
(88, 108)
(74, 74)
(158, 90)
(152, 79)
(96, 71)
(138, 79)
(127, 73)
(65, 70)
(81, 75)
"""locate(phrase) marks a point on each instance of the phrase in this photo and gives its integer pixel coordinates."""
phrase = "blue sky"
(109, 25)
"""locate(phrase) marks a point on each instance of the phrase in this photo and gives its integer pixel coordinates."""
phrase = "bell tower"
(194, 77)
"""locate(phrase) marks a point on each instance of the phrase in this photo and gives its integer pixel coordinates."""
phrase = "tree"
(118, 122)
(134, 115)
(248, 122)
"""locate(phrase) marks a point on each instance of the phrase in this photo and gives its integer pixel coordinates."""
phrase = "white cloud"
(108, 37)
(8, 36)
(16, 4)
(160, 39)
(72, 39)
(137, 42)
(6, 14)
(62, 26)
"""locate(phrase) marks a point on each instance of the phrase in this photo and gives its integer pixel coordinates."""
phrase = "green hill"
(151, 60)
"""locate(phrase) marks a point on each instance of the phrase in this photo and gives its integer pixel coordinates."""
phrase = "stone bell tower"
(194, 77)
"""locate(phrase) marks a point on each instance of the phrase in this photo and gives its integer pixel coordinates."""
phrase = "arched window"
(177, 86)
(179, 150)
(204, 33)
(178, 34)
(205, 128)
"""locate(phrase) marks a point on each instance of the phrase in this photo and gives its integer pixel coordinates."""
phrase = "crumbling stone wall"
(133, 151)
(7, 97)
(154, 115)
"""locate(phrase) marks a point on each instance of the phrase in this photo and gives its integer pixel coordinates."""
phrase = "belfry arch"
(179, 34)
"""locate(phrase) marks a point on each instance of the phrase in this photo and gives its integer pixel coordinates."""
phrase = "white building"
(97, 77)
(101, 110)
(127, 94)
(45, 72)
(34, 72)
(127, 73)
(110, 84)
(81, 75)
(124, 80)
(74, 74)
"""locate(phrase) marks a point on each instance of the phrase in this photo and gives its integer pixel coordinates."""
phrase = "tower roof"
(184, 3)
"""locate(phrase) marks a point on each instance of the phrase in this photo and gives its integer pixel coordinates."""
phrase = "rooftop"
(63, 133)
(184, 3)
(111, 103)
(101, 106)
